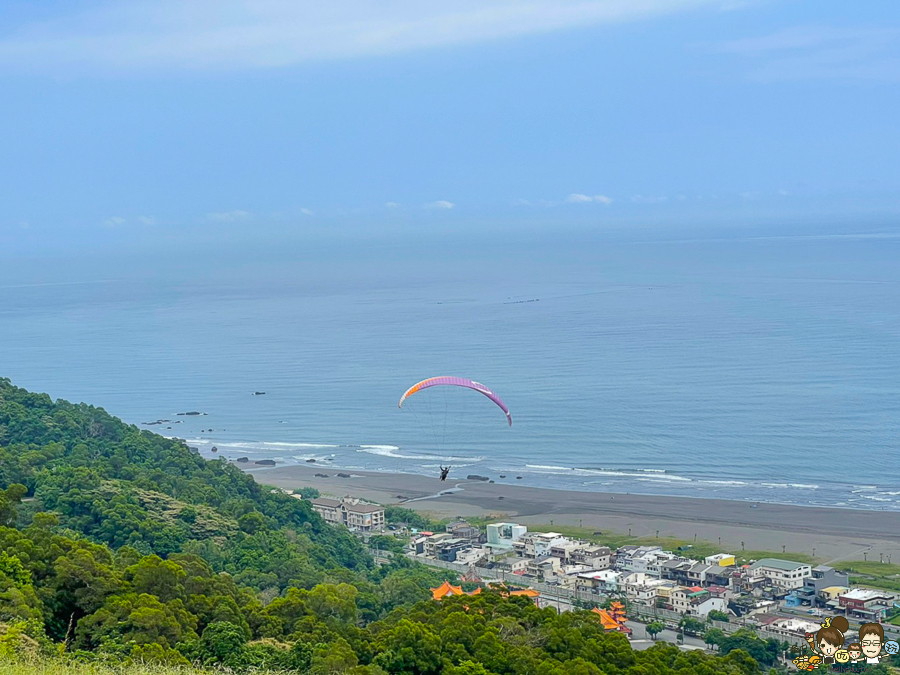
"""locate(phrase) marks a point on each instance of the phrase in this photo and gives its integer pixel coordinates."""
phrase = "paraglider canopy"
(456, 382)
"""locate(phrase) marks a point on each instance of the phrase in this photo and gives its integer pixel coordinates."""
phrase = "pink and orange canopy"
(456, 382)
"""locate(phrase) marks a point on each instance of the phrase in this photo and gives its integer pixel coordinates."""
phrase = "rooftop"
(778, 564)
(867, 594)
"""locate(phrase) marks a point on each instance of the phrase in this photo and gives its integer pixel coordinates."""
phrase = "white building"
(502, 535)
(599, 581)
(538, 544)
(472, 555)
(641, 587)
(783, 574)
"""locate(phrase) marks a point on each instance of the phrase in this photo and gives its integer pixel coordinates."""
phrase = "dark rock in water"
(168, 427)
(401, 496)
(193, 449)
(310, 461)
(475, 476)
(243, 459)
(518, 477)
(501, 497)
(266, 462)
(215, 449)
(259, 393)
(490, 481)
(344, 475)
(321, 475)
(192, 413)
(502, 475)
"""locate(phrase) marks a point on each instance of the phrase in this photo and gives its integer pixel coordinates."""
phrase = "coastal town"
(655, 588)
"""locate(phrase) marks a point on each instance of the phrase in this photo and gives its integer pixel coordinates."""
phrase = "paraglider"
(455, 382)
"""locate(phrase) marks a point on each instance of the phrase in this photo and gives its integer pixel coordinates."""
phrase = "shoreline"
(833, 533)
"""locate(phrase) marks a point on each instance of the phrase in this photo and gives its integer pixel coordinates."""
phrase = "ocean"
(757, 365)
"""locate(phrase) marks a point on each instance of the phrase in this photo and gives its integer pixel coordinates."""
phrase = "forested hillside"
(118, 544)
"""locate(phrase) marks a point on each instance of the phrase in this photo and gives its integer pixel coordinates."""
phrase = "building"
(543, 567)
(596, 557)
(512, 564)
(600, 581)
(433, 541)
(822, 577)
(448, 549)
(782, 575)
(794, 627)
(502, 535)
(641, 587)
(464, 530)
(720, 559)
(471, 555)
(866, 604)
(352, 513)
(538, 544)
(647, 559)
(696, 601)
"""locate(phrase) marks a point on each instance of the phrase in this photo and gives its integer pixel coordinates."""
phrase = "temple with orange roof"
(613, 618)
(446, 589)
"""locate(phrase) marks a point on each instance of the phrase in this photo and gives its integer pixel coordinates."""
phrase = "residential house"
(512, 565)
(821, 577)
(538, 544)
(599, 581)
(866, 604)
(720, 559)
(447, 549)
(597, 557)
(782, 575)
(544, 567)
(354, 514)
(696, 601)
(502, 535)
(464, 530)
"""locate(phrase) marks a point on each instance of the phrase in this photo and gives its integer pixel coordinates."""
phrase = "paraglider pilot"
(444, 472)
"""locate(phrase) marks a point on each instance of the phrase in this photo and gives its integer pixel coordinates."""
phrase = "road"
(640, 640)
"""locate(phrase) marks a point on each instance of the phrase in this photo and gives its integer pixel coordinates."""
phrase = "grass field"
(698, 550)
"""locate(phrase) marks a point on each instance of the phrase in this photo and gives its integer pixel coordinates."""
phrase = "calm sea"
(760, 366)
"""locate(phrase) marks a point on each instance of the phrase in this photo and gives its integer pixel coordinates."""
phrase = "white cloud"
(392, 205)
(641, 199)
(215, 34)
(114, 221)
(306, 212)
(577, 198)
(807, 52)
(227, 216)
(146, 220)
(441, 204)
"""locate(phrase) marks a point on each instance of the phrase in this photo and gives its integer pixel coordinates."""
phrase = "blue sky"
(161, 121)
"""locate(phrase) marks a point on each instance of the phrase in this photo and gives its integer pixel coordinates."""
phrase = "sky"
(157, 123)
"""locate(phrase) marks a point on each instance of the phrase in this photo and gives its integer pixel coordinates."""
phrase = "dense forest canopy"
(118, 543)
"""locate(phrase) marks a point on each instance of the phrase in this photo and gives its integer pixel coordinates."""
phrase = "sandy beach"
(834, 534)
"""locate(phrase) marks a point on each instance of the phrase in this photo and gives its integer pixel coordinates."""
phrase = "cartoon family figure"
(827, 645)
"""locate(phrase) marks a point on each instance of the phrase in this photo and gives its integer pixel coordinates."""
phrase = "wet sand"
(835, 534)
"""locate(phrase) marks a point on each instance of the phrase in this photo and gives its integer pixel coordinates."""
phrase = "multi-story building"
(597, 557)
(448, 549)
(696, 601)
(464, 530)
(782, 575)
(599, 581)
(543, 567)
(822, 577)
(538, 544)
(352, 513)
(502, 535)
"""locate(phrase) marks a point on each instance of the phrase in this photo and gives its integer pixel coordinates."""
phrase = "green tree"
(654, 628)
